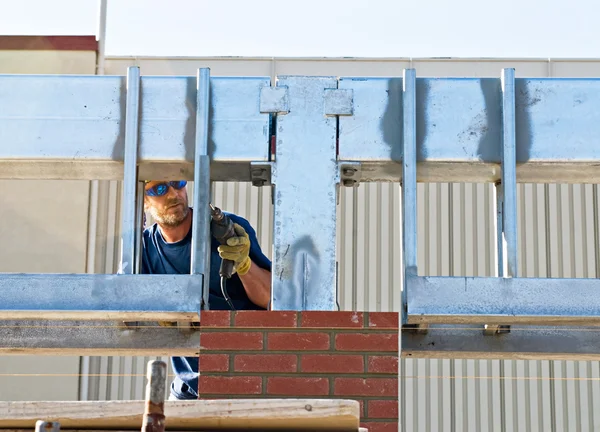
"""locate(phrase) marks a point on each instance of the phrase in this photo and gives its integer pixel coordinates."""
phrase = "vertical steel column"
(139, 218)
(200, 255)
(130, 223)
(501, 242)
(509, 170)
(409, 182)
(506, 192)
(305, 178)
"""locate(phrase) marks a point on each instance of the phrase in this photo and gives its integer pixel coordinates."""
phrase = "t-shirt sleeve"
(256, 253)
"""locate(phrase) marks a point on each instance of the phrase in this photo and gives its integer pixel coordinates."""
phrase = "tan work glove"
(237, 250)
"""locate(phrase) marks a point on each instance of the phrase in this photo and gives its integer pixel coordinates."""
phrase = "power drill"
(221, 227)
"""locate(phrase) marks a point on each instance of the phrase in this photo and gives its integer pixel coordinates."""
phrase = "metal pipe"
(154, 410)
(101, 38)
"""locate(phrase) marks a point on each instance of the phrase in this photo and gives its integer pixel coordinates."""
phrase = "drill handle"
(226, 269)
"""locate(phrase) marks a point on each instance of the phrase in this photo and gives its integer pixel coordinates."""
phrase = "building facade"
(559, 236)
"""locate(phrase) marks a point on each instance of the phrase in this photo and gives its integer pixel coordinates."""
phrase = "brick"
(366, 387)
(380, 426)
(214, 362)
(238, 385)
(324, 363)
(231, 341)
(265, 319)
(297, 386)
(215, 318)
(265, 363)
(382, 364)
(369, 341)
(387, 409)
(383, 320)
(298, 341)
(332, 319)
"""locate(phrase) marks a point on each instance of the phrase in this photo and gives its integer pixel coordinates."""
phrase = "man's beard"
(169, 219)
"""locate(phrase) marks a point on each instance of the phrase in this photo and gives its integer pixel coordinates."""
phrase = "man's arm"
(257, 283)
(252, 266)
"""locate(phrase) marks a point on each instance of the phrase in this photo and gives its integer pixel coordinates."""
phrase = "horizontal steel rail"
(134, 297)
(441, 341)
(68, 338)
(489, 300)
(72, 127)
(522, 343)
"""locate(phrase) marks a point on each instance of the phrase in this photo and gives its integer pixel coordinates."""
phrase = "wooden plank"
(224, 414)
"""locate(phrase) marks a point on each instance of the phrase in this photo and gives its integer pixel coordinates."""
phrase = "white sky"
(385, 28)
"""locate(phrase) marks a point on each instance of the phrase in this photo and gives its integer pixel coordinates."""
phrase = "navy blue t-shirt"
(160, 257)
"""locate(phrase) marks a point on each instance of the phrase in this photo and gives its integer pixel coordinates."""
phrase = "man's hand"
(237, 250)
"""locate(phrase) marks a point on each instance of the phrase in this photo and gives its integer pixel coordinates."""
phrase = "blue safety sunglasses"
(161, 189)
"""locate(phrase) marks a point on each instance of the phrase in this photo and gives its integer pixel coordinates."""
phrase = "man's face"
(169, 209)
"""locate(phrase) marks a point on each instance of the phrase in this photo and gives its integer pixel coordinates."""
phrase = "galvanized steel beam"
(441, 341)
(490, 300)
(305, 175)
(201, 236)
(73, 127)
(522, 343)
(459, 129)
(96, 338)
(128, 297)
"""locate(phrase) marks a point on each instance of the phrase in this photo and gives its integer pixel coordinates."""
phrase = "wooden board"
(223, 414)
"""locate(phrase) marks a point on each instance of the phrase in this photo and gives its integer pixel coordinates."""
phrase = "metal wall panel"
(559, 236)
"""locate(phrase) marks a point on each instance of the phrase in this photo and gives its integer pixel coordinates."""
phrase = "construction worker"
(166, 250)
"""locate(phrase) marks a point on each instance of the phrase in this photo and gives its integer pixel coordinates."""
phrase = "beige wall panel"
(574, 68)
(471, 68)
(44, 227)
(188, 67)
(47, 62)
(44, 230)
(340, 67)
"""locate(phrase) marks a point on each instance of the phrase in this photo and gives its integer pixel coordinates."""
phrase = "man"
(166, 250)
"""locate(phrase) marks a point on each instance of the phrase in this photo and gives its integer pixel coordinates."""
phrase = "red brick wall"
(344, 355)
